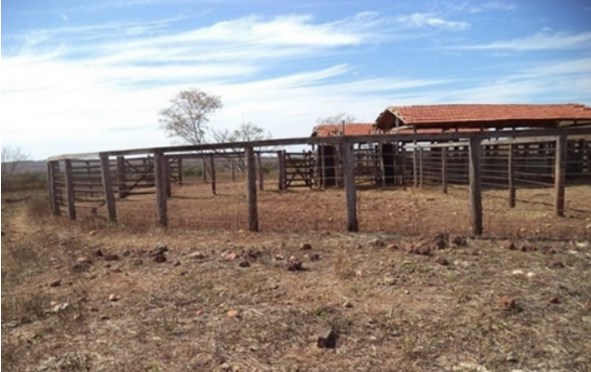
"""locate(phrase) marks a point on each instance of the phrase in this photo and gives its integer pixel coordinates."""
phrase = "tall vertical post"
(70, 189)
(159, 178)
(121, 179)
(233, 166)
(52, 171)
(350, 188)
(212, 173)
(251, 191)
(421, 172)
(511, 175)
(560, 174)
(415, 166)
(180, 170)
(281, 167)
(108, 187)
(475, 186)
(204, 169)
(444, 170)
(260, 171)
(167, 175)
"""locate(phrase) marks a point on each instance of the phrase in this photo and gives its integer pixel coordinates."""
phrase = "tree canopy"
(188, 114)
(337, 119)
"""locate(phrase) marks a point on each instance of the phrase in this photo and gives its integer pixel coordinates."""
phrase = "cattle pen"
(100, 182)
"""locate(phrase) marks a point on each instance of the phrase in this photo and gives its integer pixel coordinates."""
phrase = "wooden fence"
(444, 158)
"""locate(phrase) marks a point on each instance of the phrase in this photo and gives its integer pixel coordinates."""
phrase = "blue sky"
(80, 76)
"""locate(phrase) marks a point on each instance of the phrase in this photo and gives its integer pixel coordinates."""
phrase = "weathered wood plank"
(560, 174)
(251, 190)
(415, 166)
(52, 172)
(444, 170)
(159, 178)
(108, 187)
(121, 177)
(260, 171)
(281, 166)
(212, 173)
(348, 161)
(167, 175)
(511, 175)
(70, 189)
(475, 186)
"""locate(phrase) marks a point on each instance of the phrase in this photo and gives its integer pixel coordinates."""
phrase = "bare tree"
(337, 119)
(187, 116)
(12, 157)
(246, 132)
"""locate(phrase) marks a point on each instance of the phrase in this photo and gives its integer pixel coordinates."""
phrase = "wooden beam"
(121, 179)
(212, 173)
(444, 170)
(475, 186)
(560, 174)
(251, 190)
(260, 171)
(421, 167)
(415, 166)
(180, 166)
(511, 175)
(204, 169)
(348, 161)
(108, 187)
(167, 175)
(70, 189)
(52, 172)
(281, 167)
(159, 179)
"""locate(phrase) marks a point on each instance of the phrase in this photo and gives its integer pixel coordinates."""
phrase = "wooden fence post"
(70, 189)
(281, 166)
(204, 169)
(212, 173)
(122, 186)
(233, 165)
(350, 188)
(167, 175)
(475, 186)
(415, 166)
(260, 171)
(108, 187)
(421, 161)
(52, 171)
(444, 170)
(251, 191)
(511, 175)
(560, 174)
(180, 170)
(159, 180)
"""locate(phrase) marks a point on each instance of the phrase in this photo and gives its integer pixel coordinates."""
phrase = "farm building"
(408, 161)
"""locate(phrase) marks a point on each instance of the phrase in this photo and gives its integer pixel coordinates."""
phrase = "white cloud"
(421, 20)
(538, 41)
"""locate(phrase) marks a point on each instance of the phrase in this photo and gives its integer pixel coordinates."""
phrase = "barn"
(404, 162)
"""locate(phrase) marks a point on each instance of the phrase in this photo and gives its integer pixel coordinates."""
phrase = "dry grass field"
(411, 292)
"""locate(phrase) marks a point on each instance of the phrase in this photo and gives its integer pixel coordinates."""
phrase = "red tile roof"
(482, 115)
(354, 129)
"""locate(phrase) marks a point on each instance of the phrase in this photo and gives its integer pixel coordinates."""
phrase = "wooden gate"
(299, 169)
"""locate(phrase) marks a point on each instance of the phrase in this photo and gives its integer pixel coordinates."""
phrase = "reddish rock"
(306, 247)
(557, 264)
(508, 244)
(507, 303)
(459, 241)
(294, 264)
(111, 257)
(555, 300)
(442, 261)
(244, 263)
(160, 258)
(329, 341)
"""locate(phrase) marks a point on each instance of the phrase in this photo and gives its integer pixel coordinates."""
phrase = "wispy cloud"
(481, 7)
(430, 20)
(538, 41)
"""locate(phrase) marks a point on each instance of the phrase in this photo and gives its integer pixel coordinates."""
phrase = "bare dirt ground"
(205, 295)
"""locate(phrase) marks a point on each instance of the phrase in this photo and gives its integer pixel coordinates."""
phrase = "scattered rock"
(459, 241)
(196, 255)
(389, 280)
(113, 297)
(557, 264)
(126, 253)
(530, 274)
(93, 233)
(442, 261)
(377, 242)
(159, 250)
(244, 263)
(98, 253)
(314, 257)
(329, 341)
(348, 304)
(138, 262)
(555, 300)
(59, 307)
(582, 245)
(507, 303)
(512, 358)
(81, 264)
(306, 247)
(393, 246)
(111, 257)
(440, 241)
(56, 283)
(233, 313)
(528, 248)
(160, 258)
(177, 263)
(517, 272)
(254, 253)
(294, 264)
(230, 256)
(508, 244)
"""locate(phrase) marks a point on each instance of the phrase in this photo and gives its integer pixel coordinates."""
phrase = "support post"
(281, 167)
(167, 175)
(415, 166)
(159, 180)
(233, 165)
(350, 188)
(52, 171)
(511, 175)
(421, 173)
(560, 174)
(444, 170)
(382, 164)
(180, 170)
(108, 187)
(212, 173)
(204, 169)
(122, 186)
(251, 191)
(475, 186)
(70, 189)
(260, 171)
